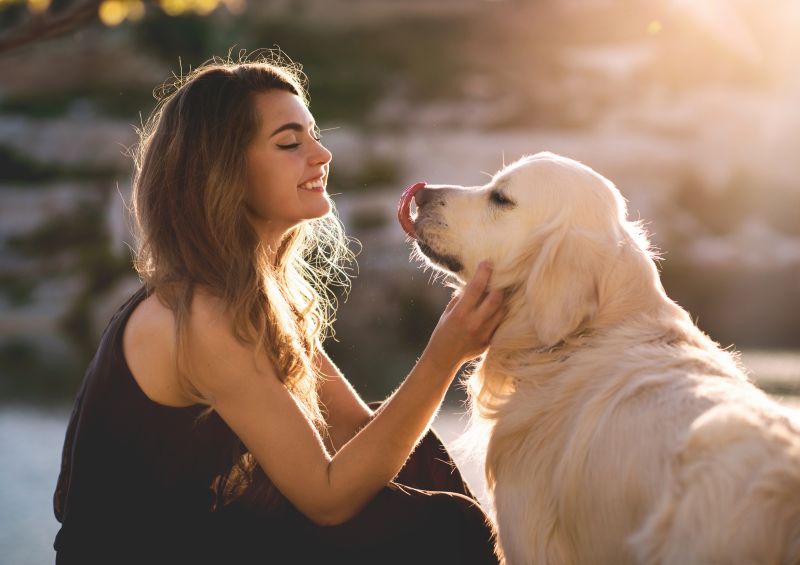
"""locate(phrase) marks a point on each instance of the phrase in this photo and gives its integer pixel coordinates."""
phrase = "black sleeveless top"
(136, 475)
(136, 488)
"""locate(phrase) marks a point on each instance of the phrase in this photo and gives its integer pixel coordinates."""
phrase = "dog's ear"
(562, 288)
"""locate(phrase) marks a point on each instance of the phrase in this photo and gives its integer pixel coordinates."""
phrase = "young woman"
(211, 426)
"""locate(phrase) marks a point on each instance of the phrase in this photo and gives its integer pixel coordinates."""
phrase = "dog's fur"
(615, 430)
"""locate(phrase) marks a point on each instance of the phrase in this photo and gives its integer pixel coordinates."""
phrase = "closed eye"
(500, 199)
(314, 132)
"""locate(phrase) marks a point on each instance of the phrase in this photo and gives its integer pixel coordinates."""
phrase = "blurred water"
(30, 446)
(31, 439)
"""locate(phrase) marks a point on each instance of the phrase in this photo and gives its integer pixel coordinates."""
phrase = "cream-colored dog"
(615, 430)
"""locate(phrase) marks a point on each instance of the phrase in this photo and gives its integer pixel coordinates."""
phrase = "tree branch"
(46, 26)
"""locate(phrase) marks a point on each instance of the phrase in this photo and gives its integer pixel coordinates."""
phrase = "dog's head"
(553, 229)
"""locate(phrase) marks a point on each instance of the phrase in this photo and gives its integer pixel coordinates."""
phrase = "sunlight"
(723, 22)
(113, 12)
(38, 6)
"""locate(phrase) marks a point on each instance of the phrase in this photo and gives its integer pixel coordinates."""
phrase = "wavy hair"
(191, 229)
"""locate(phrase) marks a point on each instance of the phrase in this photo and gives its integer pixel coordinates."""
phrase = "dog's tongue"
(404, 208)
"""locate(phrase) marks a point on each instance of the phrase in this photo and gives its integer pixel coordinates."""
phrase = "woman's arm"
(346, 412)
(246, 392)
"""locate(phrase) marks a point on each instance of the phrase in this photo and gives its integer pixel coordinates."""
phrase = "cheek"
(259, 193)
(492, 236)
(265, 185)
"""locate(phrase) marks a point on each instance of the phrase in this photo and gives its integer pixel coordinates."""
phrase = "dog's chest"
(556, 458)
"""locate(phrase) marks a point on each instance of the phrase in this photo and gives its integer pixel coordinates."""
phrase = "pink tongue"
(404, 208)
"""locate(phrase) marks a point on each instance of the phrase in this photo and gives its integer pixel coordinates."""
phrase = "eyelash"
(498, 198)
(296, 145)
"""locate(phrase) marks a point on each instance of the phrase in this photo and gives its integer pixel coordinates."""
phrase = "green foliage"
(190, 38)
(17, 289)
(374, 172)
(351, 68)
(18, 168)
(378, 171)
(78, 229)
(11, 15)
(74, 244)
(28, 372)
(119, 101)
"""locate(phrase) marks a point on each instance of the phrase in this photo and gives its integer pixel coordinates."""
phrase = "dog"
(614, 430)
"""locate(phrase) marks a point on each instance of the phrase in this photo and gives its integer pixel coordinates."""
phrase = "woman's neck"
(271, 241)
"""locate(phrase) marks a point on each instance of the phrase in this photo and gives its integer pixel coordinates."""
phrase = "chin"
(443, 261)
(326, 209)
(320, 208)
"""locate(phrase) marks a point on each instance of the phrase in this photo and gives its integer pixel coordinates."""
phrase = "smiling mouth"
(316, 185)
(447, 261)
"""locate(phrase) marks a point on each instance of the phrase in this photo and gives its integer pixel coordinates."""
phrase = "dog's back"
(649, 454)
(733, 495)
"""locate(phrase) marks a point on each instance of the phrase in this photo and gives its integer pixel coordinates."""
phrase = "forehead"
(506, 179)
(278, 107)
(510, 173)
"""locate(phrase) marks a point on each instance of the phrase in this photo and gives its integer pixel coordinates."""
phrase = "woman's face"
(287, 166)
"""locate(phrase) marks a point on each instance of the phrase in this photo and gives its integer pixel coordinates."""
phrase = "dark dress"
(136, 487)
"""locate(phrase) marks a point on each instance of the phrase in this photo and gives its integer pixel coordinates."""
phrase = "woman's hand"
(244, 388)
(468, 322)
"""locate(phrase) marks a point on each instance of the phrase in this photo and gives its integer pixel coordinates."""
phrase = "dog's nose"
(425, 196)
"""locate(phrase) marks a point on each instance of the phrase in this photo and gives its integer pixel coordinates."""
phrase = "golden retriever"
(615, 431)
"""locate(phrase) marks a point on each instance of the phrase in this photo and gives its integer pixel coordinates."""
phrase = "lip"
(450, 262)
(322, 177)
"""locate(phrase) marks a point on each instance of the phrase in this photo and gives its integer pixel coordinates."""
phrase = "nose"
(322, 156)
(427, 196)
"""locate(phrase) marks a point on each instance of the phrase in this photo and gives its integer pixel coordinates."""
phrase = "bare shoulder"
(209, 325)
(150, 350)
(219, 362)
(208, 313)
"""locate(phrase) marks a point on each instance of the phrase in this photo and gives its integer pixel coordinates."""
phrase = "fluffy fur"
(614, 431)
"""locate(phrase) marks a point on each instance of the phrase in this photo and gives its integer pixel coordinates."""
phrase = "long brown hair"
(190, 220)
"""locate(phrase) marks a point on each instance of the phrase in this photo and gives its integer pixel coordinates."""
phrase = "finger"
(452, 303)
(490, 304)
(474, 289)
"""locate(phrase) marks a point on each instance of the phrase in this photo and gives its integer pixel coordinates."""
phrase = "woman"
(211, 425)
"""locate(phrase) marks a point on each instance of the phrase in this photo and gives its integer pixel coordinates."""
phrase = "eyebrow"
(294, 126)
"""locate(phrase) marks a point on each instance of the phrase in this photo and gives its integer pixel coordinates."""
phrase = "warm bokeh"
(691, 107)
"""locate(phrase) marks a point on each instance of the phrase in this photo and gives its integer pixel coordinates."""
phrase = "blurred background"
(691, 108)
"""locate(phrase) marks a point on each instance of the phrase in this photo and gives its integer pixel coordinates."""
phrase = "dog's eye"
(500, 199)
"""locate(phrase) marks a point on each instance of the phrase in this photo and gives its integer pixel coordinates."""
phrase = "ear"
(562, 288)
